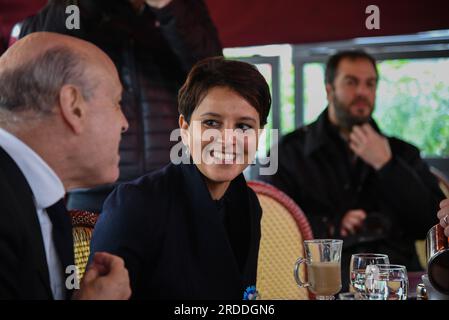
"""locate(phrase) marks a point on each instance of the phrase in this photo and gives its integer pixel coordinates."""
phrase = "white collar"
(46, 186)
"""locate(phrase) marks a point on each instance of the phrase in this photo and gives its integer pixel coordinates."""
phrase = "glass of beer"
(323, 261)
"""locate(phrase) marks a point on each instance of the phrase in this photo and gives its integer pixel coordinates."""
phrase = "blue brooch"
(251, 293)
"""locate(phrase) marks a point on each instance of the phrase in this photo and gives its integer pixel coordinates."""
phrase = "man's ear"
(184, 126)
(73, 107)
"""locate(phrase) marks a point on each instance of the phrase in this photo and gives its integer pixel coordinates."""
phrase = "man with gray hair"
(60, 128)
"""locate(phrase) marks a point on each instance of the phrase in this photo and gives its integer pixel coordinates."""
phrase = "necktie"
(62, 233)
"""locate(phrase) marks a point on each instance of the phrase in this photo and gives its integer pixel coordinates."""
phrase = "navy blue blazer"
(174, 241)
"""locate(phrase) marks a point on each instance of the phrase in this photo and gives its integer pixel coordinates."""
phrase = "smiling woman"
(192, 231)
(221, 114)
(226, 102)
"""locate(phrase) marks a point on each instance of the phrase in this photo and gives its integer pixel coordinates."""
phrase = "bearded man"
(353, 182)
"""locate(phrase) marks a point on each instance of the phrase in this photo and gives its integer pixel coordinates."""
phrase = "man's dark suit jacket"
(174, 239)
(23, 265)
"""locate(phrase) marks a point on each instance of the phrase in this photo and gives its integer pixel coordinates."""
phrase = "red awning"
(258, 22)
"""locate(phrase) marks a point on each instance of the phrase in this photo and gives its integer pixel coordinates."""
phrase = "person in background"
(60, 127)
(353, 182)
(192, 230)
(154, 44)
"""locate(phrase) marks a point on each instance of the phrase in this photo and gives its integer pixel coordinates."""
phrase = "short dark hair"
(334, 61)
(241, 77)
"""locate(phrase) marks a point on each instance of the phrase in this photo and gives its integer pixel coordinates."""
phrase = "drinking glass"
(358, 265)
(323, 261)
(389, 280)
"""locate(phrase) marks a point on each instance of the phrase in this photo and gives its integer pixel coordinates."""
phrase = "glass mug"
(323, 261)
(359, 262)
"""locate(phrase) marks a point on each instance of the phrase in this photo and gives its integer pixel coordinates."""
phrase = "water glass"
(389, 280)
(358, 265)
